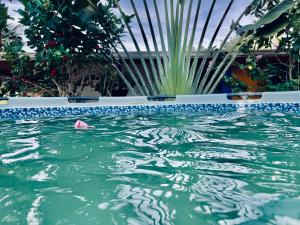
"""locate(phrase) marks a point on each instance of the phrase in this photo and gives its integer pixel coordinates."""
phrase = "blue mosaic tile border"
(19, 113)
(274, 107)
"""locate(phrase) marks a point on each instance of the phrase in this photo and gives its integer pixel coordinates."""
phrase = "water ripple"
(26, 152)
(211, 168)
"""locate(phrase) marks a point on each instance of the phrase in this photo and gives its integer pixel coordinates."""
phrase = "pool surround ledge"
(25, 107)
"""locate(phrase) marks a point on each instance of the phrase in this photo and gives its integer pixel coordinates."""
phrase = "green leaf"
(87, 13)
(3, 16)
(273, 28)
(274, 14)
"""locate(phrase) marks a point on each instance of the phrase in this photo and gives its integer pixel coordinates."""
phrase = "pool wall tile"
(17, 113)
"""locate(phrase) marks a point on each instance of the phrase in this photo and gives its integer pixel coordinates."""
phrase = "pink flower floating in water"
(81, 125)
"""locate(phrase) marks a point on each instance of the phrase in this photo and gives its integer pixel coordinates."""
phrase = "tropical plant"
(71, 39)
(279, 19)
(284, 30)
(279, 22)
(269, 73)
(273, 21)
(174, 67)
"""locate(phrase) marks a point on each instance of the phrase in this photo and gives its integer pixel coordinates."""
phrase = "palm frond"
(173, 66)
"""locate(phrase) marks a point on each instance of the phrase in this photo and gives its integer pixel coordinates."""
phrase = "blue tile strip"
(19, 113)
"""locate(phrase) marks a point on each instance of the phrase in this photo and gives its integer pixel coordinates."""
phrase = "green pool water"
(229, 168)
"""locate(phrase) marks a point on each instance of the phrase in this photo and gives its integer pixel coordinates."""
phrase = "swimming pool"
(235, 167)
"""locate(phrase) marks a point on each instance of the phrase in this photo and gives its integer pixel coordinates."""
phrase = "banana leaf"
(273, 28)
(274, 16)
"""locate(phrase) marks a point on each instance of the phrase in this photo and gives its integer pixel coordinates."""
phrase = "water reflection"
(33, 216)
(230, 168)
(217, 195)
(145, 205)
(158, 136)
(25, 150)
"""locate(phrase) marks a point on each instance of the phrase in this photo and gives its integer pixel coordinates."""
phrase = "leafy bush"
(277, 29)
(71, 40)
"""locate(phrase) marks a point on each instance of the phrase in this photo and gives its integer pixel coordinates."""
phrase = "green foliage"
(291, 85)
(271, 75)
(252, 68)
(235, 84)
(260, 7)
(23, 78)
(279, 22)
(3, 20)
(175, 69)
(277, 19)
(68, 37)
(27, 81)
(59, 27)
(3, 16)
(274, 21)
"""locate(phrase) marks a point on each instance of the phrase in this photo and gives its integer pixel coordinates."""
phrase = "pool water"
(214, 168)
